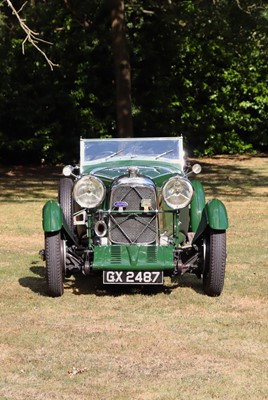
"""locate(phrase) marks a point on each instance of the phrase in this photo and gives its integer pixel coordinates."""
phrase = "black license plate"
(133, 277)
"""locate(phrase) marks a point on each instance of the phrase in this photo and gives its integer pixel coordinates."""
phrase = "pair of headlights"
(89, 192)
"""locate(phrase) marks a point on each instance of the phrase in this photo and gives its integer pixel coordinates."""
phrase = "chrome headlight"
(89, 191)
(177, 192)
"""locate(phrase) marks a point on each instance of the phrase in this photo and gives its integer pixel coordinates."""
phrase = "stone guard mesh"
(133, 228)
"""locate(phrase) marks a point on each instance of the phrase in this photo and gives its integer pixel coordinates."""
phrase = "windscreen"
(106, 149)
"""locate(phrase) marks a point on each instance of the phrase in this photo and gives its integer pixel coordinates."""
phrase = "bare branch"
(31, 36)
(22, 7)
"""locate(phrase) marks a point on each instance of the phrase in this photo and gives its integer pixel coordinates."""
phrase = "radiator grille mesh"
(133, 228)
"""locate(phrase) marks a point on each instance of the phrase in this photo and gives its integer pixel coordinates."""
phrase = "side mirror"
(196, 169)
(68, 170)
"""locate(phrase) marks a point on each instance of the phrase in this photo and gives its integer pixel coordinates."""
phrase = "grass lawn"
(168, 344)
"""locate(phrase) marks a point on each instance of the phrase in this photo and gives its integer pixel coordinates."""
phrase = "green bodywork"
(173, 224)
(52, 217)
(214, 215)
(108, 171)
(197, 204)
(131, 257)
(53, 220)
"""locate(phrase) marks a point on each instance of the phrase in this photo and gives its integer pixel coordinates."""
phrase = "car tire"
(215, 261)
(55, 261)
(66, 200)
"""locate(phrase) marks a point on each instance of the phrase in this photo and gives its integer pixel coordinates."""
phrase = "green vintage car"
(130, 211)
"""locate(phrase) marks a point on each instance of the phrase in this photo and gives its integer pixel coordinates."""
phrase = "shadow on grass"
(85, 285)
(37, 283)
(220, 177)
(92, 285)
(26, 184)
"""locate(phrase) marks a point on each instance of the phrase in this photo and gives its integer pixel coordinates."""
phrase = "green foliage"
(198, 69)
(203, 73)
(48, 110)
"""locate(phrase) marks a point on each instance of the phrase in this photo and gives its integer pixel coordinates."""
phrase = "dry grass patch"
(126, 344)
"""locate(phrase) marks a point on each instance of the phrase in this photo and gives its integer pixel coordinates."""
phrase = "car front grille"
(133, 228)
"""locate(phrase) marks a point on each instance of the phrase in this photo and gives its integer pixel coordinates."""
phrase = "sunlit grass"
(171, 344)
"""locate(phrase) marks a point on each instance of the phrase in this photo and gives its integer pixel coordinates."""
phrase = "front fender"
(215, 216)
(52, 216)
(197, 204)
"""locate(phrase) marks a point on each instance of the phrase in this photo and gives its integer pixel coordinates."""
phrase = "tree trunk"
(122, 70)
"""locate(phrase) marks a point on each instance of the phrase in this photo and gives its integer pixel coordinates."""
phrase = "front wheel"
(215, 261)
(66, 200)
(55, 261)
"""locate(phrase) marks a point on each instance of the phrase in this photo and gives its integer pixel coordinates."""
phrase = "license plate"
(133, 277)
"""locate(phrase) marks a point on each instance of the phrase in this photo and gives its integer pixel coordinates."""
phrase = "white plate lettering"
(133, 277)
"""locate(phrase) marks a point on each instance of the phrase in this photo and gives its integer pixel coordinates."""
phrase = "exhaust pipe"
(100, 228)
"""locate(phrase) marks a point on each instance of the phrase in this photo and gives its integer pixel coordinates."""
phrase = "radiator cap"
(133, 172)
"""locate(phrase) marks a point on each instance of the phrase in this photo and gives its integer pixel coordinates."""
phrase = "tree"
(198, 68)
(42, 112)
(122, 70)
(194, 66)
